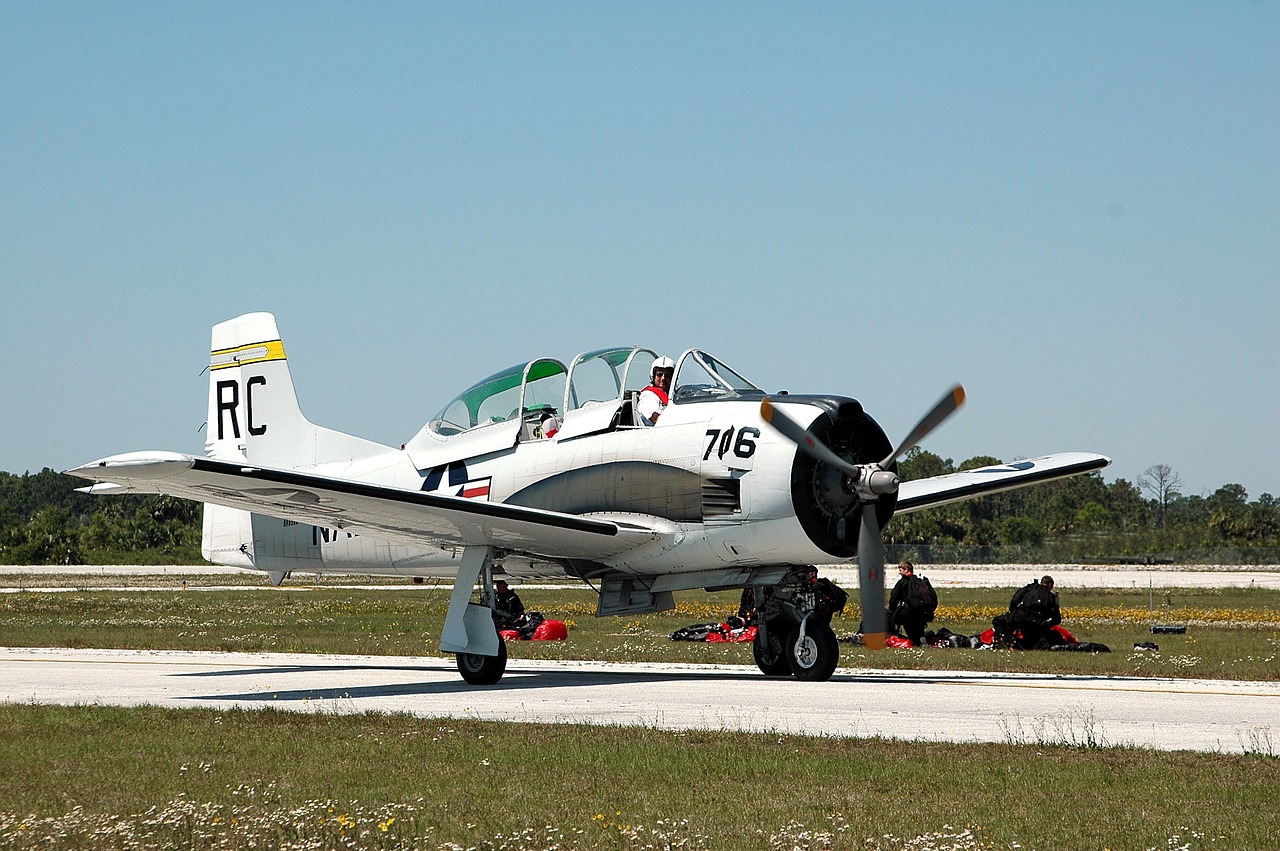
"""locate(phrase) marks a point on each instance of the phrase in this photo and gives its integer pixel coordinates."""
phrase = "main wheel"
(483, 670)
(770, 658)
(814, 658)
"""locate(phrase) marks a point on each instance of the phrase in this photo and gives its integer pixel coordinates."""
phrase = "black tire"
(814, 659)
(483, 670)
(771, 660)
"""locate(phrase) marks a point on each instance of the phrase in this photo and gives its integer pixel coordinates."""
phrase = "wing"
(956, 487)
(408, 517)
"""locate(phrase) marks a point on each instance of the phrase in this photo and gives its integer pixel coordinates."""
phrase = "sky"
(1071, 208)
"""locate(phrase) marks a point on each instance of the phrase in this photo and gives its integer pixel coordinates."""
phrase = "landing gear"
(795, 616)
(469, 631)
(812, 651)
(769, 654)
(483, 670)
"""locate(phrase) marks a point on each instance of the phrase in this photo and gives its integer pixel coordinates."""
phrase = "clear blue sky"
(1072, 208)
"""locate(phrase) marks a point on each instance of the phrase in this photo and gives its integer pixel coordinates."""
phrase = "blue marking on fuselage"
(457, 476)
(1018, 467)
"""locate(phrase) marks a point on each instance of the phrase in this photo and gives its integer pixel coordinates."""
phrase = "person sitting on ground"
(912, 604)
(746, 609)
(1033, 612)
(508, 609)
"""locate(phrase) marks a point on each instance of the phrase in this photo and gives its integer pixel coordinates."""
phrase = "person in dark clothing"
(508, 609)
(830, 598)
(1033, 612)
(746, 609)
(911, 604)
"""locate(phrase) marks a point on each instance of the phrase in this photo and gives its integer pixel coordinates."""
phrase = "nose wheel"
(812, 651)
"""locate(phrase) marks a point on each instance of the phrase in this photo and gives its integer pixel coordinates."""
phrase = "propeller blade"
(805, 440)
(871, 578)
(946, 406)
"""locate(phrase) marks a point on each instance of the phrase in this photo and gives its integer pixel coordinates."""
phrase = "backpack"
(1034, 597)
(532, 620)
(831, 598)
(921, 597)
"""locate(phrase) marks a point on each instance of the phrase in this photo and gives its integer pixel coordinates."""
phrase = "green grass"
(153, 778)
(1232, 634)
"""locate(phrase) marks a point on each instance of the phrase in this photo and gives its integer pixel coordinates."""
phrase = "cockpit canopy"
(604, 376)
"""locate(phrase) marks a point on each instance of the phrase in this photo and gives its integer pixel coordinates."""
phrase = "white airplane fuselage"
(713, 471)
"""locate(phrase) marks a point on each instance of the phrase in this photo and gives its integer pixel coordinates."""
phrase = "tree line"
(45, 520)
(1085, 519)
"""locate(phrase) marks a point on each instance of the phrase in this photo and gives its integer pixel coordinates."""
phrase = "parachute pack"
(920, 596)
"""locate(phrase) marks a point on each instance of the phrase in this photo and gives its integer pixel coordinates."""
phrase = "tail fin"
(253, 411)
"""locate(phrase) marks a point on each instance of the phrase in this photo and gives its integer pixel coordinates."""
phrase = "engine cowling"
(825, 502)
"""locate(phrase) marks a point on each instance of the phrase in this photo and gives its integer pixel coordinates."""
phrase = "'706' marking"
(721, 441)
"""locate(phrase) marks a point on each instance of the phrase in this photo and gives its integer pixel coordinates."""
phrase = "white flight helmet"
(662, 363)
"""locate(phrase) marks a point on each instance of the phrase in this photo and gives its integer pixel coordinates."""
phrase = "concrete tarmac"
(1165, 714)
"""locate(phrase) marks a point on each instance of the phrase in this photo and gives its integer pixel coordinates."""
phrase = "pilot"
(550, 423)
(653, 399)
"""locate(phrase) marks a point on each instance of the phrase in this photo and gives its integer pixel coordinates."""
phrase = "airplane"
(732, 487)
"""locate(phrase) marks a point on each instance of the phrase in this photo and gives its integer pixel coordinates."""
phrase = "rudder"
(253, 410)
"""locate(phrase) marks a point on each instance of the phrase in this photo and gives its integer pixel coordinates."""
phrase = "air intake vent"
(721, 497)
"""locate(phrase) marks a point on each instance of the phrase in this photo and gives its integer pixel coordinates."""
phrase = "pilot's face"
(662, 378)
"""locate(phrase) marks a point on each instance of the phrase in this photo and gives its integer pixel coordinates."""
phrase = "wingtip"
(132, 462)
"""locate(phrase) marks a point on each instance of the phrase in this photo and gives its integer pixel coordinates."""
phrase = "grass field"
(149, 778)
(101, 777)
(1232, 633)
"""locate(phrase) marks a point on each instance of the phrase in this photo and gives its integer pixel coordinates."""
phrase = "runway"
(1164, 714)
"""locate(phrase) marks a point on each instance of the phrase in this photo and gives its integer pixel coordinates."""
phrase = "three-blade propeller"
(869, 482)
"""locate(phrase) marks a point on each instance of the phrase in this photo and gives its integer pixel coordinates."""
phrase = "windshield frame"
(492, 395)
(727, 382)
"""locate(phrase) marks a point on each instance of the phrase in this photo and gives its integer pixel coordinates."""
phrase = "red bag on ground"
(509, 634)
(551, 631)
(897, 641)
(988, 635)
